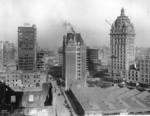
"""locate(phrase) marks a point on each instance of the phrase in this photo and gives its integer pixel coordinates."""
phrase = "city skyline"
(87, 17)
(96, 69)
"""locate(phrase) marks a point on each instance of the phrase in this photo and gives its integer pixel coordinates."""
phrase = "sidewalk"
(59, 102)
(68, 102)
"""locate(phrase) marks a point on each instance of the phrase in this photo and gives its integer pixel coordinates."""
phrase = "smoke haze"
(53, 18)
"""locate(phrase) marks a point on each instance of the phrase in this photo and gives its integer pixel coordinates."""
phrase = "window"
(79, 64)
(78, 54)
(13, 98)
(79, 78)
(78, 49)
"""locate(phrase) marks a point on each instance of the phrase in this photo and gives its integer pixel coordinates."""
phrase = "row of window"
(133, 75)
(133, 72)
(118, 40)
(146, 80)
(117, 67)
(34, 81)
(12, 80)
(147, 76)
(118, 63)
(145, 66)
(12, 76)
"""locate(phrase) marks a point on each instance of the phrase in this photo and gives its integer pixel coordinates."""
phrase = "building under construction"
(27, 48)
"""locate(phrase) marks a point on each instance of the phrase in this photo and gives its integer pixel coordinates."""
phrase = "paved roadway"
(59, 102)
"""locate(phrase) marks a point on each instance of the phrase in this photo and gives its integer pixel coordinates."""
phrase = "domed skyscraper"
(122, 36)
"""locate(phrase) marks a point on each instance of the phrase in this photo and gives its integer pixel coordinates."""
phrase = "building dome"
(123, 23)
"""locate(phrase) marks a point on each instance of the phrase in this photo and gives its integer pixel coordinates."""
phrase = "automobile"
(147, 89)
(58, 82)
(140, 88)
(122, 84)
(4, 113)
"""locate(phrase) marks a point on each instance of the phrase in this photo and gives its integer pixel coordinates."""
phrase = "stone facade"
(74, 68)
(122, 37)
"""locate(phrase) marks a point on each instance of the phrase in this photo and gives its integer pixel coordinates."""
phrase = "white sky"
(87, 17)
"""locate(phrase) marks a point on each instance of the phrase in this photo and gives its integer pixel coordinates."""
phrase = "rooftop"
(112, 99)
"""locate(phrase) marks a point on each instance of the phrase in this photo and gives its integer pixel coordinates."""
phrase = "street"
(59, 102)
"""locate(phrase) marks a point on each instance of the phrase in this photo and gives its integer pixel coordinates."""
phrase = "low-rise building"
(19, 79)
(13, 79)
(145, 70)
(140, 73)
(31, 79)
(134, 74)
(113, 100)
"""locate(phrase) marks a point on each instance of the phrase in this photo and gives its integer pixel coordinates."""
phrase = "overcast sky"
(87, 17)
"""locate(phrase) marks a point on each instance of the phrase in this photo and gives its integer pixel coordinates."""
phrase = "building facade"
(31, 80)
(40, 63)
(7, 54)
(140, 74)
(92, 60)
(134, 74)
(1, 56)
(122, 37)
(18, 79)
(13, 79)
(74, 68)
(144, 65)
(60, 56)
(27, 47)
(104, 55)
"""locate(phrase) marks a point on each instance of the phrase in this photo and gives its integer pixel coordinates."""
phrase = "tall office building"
(92, 60)
(104, 55)
(8, 53)
(74, 67)
(27, 47)
(60, 56)
(40, 64)
(122, 37)
(1, 56)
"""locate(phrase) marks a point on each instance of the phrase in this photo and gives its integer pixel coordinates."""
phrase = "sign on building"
(31, 98)
(13, 98)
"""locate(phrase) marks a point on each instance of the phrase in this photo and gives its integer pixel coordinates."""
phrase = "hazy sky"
(87, 17)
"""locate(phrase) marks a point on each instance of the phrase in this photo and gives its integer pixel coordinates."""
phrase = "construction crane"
(108, 22)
